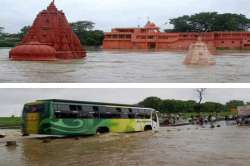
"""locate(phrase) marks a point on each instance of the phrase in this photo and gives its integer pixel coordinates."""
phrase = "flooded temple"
(49, 38)
(199, 54)
(150, 37)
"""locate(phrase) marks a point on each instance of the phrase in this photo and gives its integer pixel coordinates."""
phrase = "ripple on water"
(125, 66)
(182, 146)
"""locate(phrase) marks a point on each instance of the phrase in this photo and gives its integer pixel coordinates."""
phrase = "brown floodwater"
(126, 67)
(182, 146)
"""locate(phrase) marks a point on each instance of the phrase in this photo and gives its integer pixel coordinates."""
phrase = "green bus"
(74, 118)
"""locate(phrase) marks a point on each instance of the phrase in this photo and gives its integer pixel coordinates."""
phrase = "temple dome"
(33, 49)
(150, 25)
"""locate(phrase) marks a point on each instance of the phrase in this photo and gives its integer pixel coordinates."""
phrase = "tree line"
(209, 22)
(83, 29)
(189, 106)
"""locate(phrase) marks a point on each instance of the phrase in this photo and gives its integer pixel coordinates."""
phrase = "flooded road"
(182, 146)
(127, 67)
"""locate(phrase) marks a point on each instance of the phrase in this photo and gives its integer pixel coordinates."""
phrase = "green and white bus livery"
(74, 118)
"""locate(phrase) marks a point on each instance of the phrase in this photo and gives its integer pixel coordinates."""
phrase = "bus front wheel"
(147, 128)
(102, 130)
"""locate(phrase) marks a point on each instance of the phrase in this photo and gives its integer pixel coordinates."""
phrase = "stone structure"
(150, 37)
(199, 54)
(49, 38)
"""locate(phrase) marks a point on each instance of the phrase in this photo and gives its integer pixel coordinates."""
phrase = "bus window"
(105, 112)
(95, 108)
(75, 107)
(96, 112)
(154, 117)
(65, 111)
(147, 114)
(118, 109)
(88, 113)
(139, 113)
(34, 108)
(61, 107)
(124, 113)
(65, 114)
(131, 114)
(110, 113)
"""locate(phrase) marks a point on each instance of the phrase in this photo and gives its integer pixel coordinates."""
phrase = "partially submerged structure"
(199, 54)
(49, 38)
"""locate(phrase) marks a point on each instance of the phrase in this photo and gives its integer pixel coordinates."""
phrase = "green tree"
(210, 21)
(168, 106)
(1, 30)
(181, 24)
(82, 26)
(202, 22)
(190, 105)
(233, 104)
(86, 34)
(212, 107)
(24, 30)
(151, 102)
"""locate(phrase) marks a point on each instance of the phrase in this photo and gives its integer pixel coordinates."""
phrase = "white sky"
(12, 100)
(14, 14)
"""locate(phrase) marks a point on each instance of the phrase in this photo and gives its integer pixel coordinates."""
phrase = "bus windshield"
(34, 108)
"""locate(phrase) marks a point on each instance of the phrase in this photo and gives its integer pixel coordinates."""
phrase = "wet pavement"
(173, 146)
(126, 67)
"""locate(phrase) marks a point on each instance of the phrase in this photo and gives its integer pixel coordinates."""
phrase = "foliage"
(210, 21)
(151, 102)
(83, 29)
(81, 26)
(88, 36)
(190, 106)
(24, 30)
(234, 104)
(1, 30)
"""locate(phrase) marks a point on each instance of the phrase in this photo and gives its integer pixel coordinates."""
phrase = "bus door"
(33, 118)
(33, 122)
(155, 121)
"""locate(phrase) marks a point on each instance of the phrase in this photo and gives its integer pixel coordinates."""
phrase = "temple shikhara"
(150, 37)
(199, 54)
(49, 38)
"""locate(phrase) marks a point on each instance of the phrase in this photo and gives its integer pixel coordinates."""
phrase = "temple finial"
(53, 1)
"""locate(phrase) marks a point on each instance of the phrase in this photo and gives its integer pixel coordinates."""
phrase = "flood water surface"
(127, 67)
(182, 146)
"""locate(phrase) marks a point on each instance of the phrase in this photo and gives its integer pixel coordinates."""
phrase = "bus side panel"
(46, 116)
(90, 126)
(128, 125)
(72, 126)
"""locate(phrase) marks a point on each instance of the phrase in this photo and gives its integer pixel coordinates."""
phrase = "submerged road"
(173, 146)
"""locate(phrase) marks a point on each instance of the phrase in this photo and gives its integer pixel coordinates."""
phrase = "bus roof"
(91, 103)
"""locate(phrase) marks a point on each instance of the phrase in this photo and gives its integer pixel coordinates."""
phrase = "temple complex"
(150, 37)
(49, 38)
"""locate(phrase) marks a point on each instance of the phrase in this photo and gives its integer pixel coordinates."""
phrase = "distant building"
(244, 110)
(150, 37)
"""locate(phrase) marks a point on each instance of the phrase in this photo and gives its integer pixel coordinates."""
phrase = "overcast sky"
(115, 13)
(12, 100)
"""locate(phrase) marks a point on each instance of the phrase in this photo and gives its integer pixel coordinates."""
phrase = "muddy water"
(183, 146)
(121, 66)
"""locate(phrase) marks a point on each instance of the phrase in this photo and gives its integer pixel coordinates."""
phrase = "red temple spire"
(50, 38)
